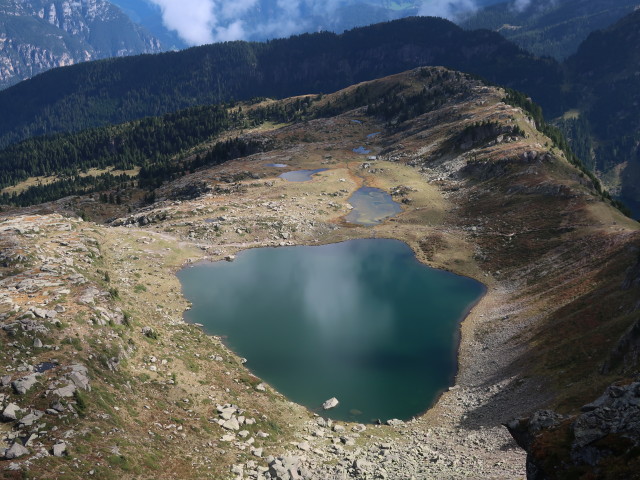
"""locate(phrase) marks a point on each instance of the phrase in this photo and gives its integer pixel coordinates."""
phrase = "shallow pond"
(301, 175)
(371, 206)
(361, 150)
(361, 320)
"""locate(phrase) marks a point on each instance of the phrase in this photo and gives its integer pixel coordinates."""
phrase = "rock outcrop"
(604, 440)
(39, 35)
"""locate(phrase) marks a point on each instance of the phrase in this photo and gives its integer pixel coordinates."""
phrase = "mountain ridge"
(117, 90)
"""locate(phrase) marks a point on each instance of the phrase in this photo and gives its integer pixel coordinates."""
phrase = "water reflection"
(371, 206)
(360, 320)
(300, 175)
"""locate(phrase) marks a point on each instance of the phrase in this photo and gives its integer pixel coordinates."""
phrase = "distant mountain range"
(549, 27)
(41, 35)
(37, 35)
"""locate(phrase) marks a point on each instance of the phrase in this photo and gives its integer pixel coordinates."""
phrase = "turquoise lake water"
(361, 320)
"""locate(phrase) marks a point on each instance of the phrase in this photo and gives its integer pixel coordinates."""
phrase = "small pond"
(301, 175)
(371, 206)
(361, 320)
(361, 150)
(277, 165)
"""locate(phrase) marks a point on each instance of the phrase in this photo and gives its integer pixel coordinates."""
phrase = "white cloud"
(450, 9)
(194, 20)
(521, 5)
(206, 21)
(234, 31)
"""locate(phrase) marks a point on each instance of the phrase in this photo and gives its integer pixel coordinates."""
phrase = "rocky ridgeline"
(41, 290)
(604, 440)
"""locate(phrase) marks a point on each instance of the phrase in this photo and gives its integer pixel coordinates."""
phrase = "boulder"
(15, 451)
(361, 465)
(331, 403)
(59, 449)
(31, 418)
(304, 446)
(231, 424)
(257, 452)
(10, 413)
(23, 385)
(66, 391)
(80, 380)
(394, 422)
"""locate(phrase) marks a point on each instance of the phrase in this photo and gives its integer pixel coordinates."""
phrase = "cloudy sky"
(206, 21)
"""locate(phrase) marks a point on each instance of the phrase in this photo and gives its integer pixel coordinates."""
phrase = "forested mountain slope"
(118, 90)
(606, 73)
(549, 27)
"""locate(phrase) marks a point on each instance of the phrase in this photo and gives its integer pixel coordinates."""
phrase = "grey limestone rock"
(231, 424)
(10, 413)
(15, 451)
(23, 384)
(31, 418)
(59, 449)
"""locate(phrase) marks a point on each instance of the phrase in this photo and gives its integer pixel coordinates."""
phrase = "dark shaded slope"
(550, 27)
(118, 90)
(605, 71)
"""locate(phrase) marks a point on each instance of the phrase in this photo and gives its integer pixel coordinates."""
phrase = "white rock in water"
(331, 403)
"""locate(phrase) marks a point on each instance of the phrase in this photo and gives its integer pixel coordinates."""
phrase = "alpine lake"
(363, 321)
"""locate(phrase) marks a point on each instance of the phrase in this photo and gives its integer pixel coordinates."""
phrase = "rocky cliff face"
(38, 35)
(602, 442)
